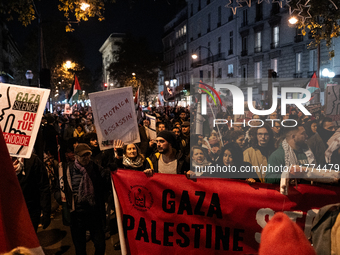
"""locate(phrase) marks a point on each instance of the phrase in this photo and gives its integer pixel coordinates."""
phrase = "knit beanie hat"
(281, 236)
(169, 137)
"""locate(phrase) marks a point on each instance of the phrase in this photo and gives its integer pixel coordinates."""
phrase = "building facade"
(175, 42)
(9, 55)
(240, 45)
(108, 50)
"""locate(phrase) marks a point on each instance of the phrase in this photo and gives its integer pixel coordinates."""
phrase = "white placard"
(67, 109)
(114, 117)
(152, 127)
(20, 117)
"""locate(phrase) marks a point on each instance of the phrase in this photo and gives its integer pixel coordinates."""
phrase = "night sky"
(141, 18)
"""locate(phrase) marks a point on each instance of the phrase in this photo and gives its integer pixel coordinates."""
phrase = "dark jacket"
(35, 186)
(100, 178)
(318, 148)
(182, 164)
(144, 141)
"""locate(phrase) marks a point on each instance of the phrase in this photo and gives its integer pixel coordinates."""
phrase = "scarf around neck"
(134, 163)
(290, 156)
(86, 190)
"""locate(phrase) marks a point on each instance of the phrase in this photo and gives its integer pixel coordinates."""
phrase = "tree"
(73, 10)
(59, 47)
(319, 17)
(135, 57)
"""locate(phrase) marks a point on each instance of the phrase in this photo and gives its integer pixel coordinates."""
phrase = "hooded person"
(168, 159)
(89, 185)
(318, 142)
(281, 236)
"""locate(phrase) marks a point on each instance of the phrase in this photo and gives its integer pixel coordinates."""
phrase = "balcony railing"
(245, 23)
(310, 73)
(258, 49)
(298, 75)
(209, 60)
(259, 17)
(274, 45)
(298, 38)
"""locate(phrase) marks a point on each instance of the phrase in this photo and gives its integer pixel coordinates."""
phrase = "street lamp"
(68, 64)
(293, 20)
(325, 72)
(29, 77)
(84, 6)
(194, 56)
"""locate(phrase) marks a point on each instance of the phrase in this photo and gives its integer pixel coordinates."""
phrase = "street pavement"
(57, 240)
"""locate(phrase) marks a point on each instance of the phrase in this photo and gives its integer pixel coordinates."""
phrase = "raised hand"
(118, 144)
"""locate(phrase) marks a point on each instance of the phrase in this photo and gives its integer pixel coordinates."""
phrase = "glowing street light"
(84, 6)
(293, 20)
(325, 72)
(194, 56)
(68, 64)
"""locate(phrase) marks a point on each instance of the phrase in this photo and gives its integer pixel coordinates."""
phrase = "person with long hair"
(128, 156)
(311, 127)
(261, 146)
(238, 137)
(231, 158)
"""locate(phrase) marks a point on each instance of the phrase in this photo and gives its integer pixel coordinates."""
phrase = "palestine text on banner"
(21, 109)
(170, 214)
(16, 228)
(115, 117)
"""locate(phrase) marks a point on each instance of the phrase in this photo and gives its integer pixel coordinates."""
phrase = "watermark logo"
(238, 99)
(204, 87)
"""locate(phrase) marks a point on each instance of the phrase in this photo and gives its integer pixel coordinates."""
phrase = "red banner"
(170, 214)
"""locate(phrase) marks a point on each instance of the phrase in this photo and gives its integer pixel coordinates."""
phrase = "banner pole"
(119, 221)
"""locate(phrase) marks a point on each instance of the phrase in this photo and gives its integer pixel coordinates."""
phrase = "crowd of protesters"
(70, 141)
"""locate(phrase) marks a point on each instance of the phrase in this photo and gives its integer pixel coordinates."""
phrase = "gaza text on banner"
(114, 117)
(20, 116)
(170, 214)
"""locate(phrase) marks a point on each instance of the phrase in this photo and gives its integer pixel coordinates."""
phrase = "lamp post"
(200, 109)
(29, 77)
(194, 56)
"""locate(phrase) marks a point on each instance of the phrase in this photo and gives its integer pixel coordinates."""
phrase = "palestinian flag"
(312, 86)
(16, 228)
(74, 92)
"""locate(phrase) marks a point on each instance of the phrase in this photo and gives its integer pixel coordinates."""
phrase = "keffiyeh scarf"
(134, 163)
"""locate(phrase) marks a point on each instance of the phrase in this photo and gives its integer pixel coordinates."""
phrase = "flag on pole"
(160, 100)
(312, 86)
(16, 228)
(74, 92)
